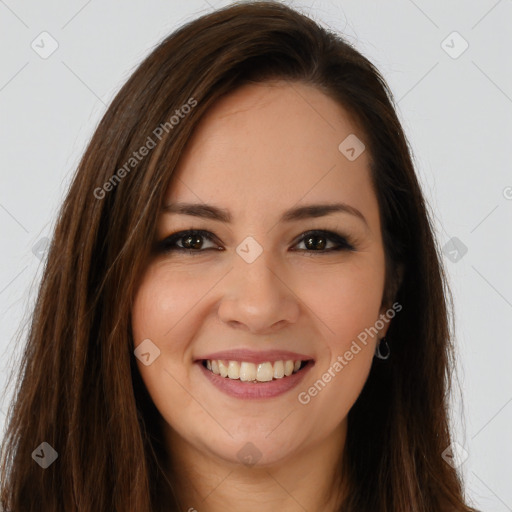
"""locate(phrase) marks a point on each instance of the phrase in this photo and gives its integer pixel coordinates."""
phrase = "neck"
(309, 479)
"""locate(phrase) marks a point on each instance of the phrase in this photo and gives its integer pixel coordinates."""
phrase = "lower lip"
(244, 390)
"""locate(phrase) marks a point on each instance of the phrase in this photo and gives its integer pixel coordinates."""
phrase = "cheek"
(159, 314)
(347, 300)
(348, 304)
(159, 304)
(348, 307)
(164, 297)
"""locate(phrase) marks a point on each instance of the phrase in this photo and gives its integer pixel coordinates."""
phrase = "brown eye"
(192, 241)
(317, 241)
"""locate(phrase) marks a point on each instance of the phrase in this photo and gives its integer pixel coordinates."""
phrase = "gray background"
(456, 109)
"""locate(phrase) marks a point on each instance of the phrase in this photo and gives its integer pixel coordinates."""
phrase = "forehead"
(270, 146)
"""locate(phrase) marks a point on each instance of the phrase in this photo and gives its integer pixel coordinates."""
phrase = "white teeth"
(251, 372)
(247, 371)
(278, 370)
(288, 368)
(234, 370)
(222, 368)
(265, 372)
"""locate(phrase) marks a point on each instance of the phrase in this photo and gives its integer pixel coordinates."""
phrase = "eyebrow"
(294, 214)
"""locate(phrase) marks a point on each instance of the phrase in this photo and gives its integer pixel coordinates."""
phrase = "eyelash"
(344, 243)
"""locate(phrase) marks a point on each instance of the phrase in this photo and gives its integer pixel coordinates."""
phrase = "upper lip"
(252, 356)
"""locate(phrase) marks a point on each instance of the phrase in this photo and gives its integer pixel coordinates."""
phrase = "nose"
(258, 297)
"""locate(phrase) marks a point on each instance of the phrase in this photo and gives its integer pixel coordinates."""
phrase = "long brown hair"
(78, 387)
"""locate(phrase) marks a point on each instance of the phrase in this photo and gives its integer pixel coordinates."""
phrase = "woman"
(243, 303)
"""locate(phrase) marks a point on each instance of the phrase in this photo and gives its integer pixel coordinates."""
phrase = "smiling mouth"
(254, 372)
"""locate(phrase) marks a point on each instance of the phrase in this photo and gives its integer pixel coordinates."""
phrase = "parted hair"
(78, 388)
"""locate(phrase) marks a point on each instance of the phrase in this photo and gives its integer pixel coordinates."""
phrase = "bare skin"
(262, 150)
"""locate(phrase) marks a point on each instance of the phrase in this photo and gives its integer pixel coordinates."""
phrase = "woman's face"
(257, 294)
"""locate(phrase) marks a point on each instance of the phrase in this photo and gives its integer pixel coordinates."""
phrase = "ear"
(389, 297)
(393, 282)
